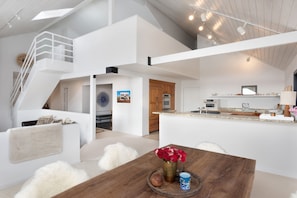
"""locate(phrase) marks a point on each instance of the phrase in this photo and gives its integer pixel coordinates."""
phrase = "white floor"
(265, 185)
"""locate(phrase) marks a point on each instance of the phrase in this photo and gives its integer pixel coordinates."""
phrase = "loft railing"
(45, 45)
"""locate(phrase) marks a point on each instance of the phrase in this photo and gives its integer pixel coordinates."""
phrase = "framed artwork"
(123, 96)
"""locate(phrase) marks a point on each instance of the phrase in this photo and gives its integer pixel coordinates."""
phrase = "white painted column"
(92, 133)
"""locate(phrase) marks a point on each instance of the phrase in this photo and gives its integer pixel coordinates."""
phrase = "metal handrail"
(47, 44)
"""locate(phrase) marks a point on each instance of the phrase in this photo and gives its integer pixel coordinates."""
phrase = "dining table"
(214, 175)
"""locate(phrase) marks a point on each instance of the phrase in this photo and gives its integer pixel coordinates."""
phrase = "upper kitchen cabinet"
(127, 45)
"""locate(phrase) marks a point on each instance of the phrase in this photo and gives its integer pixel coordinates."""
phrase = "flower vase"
(169, 171)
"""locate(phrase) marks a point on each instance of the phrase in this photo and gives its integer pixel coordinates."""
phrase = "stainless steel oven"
(166, 101)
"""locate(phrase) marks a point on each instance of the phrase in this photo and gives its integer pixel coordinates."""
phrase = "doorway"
(104, 106)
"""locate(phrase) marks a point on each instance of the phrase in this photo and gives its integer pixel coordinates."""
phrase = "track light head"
(9, 25)
(17, 17)
(203, 17)
(241, 29)
(201, 28)
(209, 36)
(191, 17)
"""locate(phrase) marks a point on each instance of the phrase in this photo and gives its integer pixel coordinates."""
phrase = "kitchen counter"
(227, 115)
(272, 143)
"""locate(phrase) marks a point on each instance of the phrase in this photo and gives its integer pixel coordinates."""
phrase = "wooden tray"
(173, 189)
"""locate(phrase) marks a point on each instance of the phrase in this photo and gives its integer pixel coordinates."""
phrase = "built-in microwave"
(212, 104)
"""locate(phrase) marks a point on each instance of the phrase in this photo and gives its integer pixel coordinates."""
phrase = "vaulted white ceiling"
(263, 17)
(26, 10)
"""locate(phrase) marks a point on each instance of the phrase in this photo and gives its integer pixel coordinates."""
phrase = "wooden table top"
(222, 176)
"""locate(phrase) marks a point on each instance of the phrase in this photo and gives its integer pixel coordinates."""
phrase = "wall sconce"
(287, 98)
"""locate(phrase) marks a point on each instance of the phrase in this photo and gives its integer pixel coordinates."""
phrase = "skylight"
(51, 14)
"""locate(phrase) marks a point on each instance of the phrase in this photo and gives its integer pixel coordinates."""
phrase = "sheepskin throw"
(116, 155)
(27, 143)
(51, 180)
(294, 195)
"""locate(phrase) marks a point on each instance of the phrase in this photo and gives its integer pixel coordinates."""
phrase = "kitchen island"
(273, 144)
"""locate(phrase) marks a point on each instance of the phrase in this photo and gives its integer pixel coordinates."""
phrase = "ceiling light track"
(237, 19)
(9, 24)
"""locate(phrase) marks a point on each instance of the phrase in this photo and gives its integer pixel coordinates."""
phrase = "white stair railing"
(45, 45)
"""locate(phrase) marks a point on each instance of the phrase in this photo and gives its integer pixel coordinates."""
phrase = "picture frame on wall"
(124, 96)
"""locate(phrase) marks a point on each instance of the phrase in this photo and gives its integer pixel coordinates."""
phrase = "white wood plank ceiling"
(263, 17)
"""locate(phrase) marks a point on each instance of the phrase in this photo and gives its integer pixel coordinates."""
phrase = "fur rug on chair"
(52, 179)
(294, 195)
(116, 155)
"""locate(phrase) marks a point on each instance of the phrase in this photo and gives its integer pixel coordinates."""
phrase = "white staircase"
(49, 57)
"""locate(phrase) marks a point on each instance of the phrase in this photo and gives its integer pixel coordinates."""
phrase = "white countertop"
(264, 117)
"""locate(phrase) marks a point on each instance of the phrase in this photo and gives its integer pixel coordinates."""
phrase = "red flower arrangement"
(170, 153)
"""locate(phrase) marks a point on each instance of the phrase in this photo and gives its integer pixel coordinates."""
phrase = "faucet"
(200, 109)
(245, 106)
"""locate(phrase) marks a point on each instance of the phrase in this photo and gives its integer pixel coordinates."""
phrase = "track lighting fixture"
(191, 17)
(17, 17)
(203, 17)
(209, 36)
(241, 29)
(201, 28)
(12, 20)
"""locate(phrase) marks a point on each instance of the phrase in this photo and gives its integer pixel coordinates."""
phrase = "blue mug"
(185, 180)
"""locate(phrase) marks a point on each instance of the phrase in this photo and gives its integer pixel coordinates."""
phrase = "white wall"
(10, 48)
(75, 92)
(87, 19)
(94, 16)
(97, 50)
(171, 28)
(225, 74)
